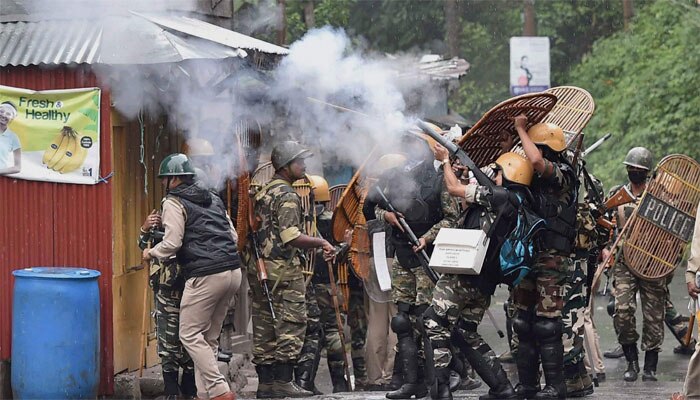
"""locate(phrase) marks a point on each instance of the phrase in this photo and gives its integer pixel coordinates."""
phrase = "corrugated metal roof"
(204, 30)
(130, 39)
(49, 42)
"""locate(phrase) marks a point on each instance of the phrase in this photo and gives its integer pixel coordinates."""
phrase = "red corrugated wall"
(57, 224)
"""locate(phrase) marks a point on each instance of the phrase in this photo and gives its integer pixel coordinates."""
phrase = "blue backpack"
(518, 248)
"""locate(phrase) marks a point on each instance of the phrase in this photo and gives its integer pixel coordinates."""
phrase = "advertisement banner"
(529, 64)
(50, 135)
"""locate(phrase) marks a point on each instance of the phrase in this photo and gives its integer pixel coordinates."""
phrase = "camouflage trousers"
(544, 288)
(410, 285)
(357, 321)
(455, 297)
(279, 340)
(331, 337)
(653, 296)
(673, 319)
(413, 287)
(172, 355)
(312, 339)
(573, 314)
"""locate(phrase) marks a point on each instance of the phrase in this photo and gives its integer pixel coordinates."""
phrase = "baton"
(495, 325)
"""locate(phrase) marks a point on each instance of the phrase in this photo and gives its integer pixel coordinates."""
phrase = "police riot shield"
(662, 225)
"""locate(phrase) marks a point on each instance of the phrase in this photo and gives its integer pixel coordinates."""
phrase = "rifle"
(259, 261)
(146, 265)
(338, 320)
(595, 145)
(458, 153)
(252, 235)
(422, 255)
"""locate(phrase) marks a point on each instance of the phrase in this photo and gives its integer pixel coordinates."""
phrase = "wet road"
(671, 369)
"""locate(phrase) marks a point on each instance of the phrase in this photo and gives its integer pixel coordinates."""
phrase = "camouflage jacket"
(279, 211)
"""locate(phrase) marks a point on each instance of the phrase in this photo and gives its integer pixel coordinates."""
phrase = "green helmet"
(176, 164)
(639, 157)
(286, 152)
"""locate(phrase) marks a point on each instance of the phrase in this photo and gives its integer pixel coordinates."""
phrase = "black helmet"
(639, 157)
(286, 152)
(176, 164)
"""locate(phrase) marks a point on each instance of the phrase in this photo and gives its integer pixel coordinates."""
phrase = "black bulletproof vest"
(559, 233)
(415, 194)
(506, 212)
(207, 246)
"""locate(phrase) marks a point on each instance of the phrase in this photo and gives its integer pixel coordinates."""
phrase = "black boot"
(548, 332)
(304, 376)
(171, 386)
(188, 387)
(527, 361)
(408, 360)
(284, 385)
(396, 375)
(632, 357)
(412, 386)
(442, 375)
(338, 379)
(265, 381)
(651, 358)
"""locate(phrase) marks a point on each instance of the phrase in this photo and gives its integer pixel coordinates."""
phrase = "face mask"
(637, 177)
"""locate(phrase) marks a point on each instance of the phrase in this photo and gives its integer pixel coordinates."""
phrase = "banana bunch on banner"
(65, 154)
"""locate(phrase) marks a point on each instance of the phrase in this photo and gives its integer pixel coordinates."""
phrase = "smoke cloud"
(209, 99)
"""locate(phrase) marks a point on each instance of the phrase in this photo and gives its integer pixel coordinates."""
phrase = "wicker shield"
(348, 215)
(662, 225)
(482, 142)
(335, 192)
(304, 189)
(573, 110)
(248, 139)
(262, 174)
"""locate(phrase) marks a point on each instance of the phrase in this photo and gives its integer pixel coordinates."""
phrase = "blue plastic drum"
(55, 333)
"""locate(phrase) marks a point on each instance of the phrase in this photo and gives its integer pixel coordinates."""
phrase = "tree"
(452, 31)
(644, 85)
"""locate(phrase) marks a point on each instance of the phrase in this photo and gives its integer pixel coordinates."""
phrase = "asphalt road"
(671, 369)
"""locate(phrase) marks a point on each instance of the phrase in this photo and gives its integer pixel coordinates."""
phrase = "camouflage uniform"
(168, 284)
(279, 210)
(540, 296)
(653, 296)
(419, 192)
(312, 340)
(357, 321)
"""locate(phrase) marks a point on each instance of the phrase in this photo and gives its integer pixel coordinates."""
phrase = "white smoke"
(302, 98)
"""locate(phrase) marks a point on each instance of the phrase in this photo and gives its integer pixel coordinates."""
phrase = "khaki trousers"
(381, 342)
(691, 388)
(591, 341)
(202, 311)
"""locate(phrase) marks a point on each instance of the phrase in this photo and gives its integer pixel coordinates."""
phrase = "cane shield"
(662, 225)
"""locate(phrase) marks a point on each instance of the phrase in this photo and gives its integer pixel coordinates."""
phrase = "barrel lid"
(56, 273)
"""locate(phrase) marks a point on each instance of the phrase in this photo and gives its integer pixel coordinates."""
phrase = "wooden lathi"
(482, 142)
(662, 225)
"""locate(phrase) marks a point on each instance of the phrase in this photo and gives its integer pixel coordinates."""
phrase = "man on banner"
(10, 147)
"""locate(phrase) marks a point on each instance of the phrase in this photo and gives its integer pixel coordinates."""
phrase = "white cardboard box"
(459, 251)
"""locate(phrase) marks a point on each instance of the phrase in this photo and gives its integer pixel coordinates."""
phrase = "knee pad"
(522, 325)
(401, 324)
(547, 329)
(611, 306)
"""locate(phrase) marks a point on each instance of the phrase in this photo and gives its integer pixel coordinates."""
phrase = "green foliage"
(645, 86)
